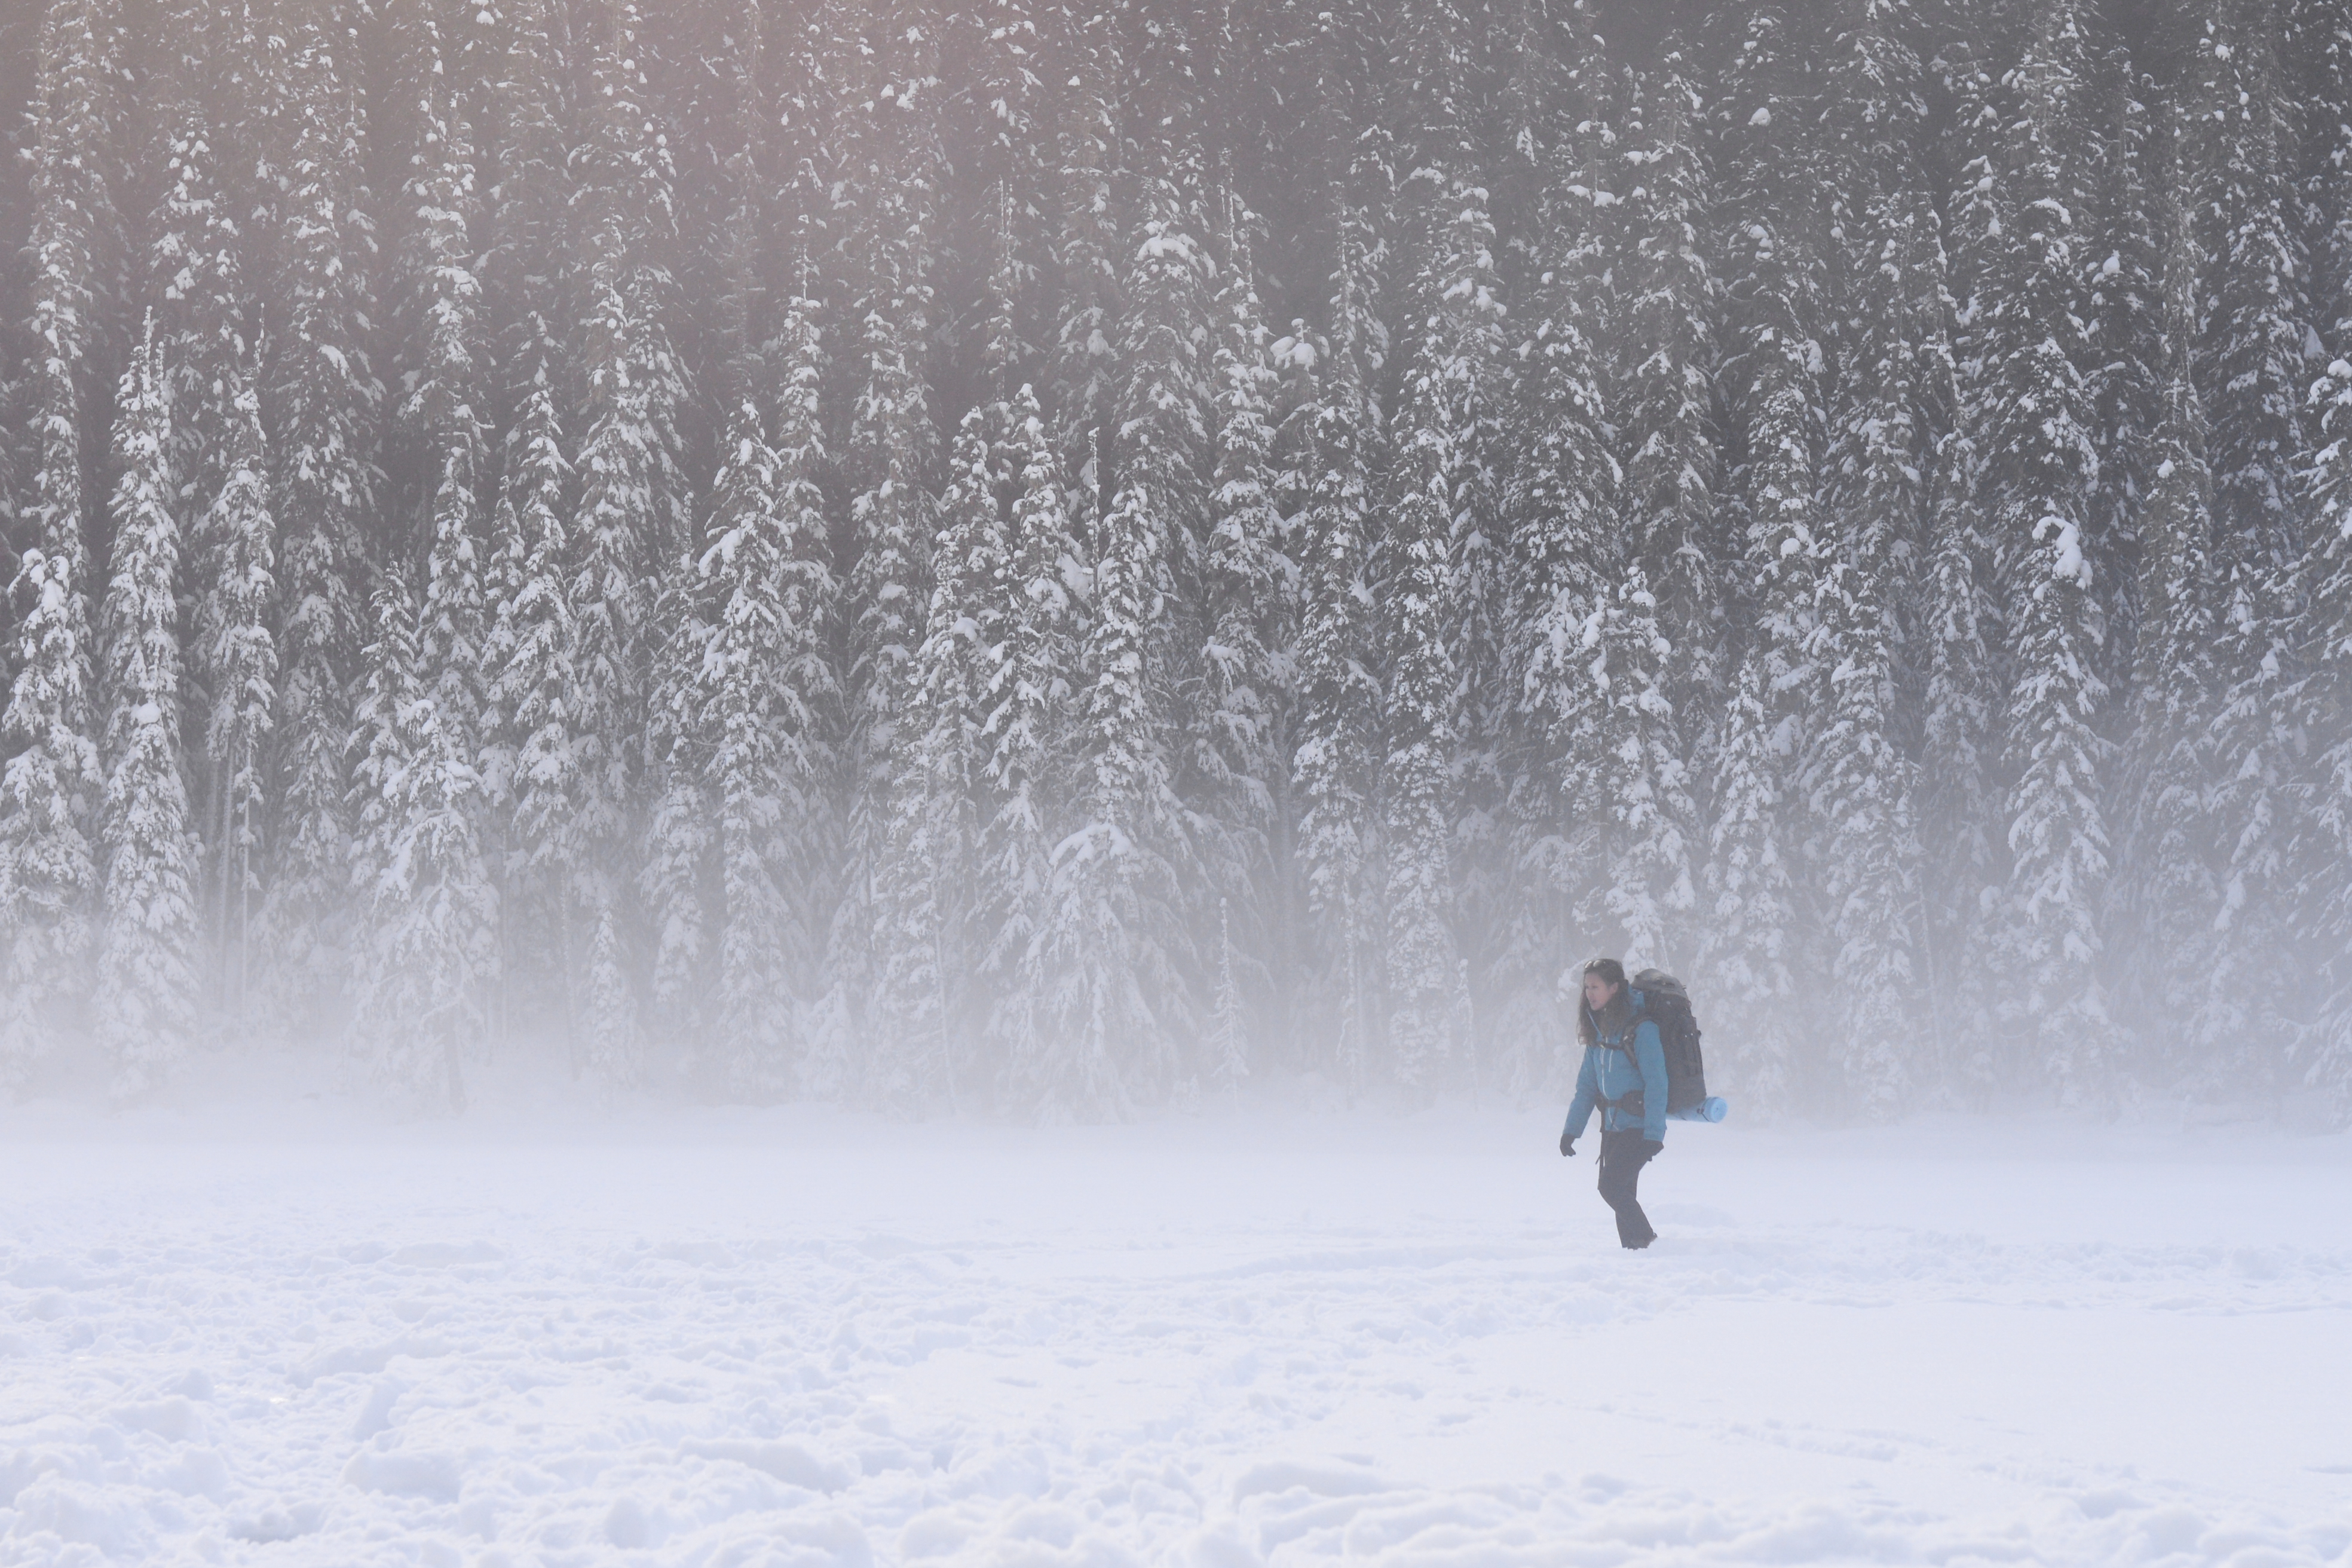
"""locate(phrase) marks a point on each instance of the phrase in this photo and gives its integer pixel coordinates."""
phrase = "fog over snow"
(288, 1331)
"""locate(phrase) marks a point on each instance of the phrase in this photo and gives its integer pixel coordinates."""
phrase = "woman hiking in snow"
(1625, 1072)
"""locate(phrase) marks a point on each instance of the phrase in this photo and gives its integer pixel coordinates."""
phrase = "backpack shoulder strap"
(1637, 1014)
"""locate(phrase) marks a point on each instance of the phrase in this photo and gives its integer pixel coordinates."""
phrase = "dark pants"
(1620, 1167)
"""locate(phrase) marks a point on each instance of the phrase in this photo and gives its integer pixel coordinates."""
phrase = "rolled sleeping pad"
(1714, 1107)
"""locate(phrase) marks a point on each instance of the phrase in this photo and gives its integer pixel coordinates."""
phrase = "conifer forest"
(1040, 558)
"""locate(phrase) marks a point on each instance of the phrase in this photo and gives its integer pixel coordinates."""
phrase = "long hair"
(1612, 971)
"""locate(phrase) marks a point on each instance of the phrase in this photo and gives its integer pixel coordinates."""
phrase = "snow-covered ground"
(1258, 1335)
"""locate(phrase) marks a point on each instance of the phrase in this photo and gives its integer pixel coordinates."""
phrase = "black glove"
(1651, 1150)
(1567, 1143)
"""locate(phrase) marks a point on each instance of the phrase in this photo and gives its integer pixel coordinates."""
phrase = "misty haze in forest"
(1041, 560)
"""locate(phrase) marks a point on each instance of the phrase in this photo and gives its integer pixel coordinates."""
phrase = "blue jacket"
(1607, 1075)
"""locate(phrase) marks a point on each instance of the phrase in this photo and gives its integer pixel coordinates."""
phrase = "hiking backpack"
(1666, 1003)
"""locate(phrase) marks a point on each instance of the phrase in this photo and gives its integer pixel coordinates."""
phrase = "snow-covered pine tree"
(2126, 375)
(49, 790)
(503, 558)
(891, 170)
(2324, 1061)
(1455, 299)
(1663, 402)
(1082, 373)
(239, 71)
(452, 630)
(631, 511)
(2323, 35)
(2041, 467)
(428, 954)
(1749, 896)
(1237, 717)
(146, 990)
(46, 871)
(77, 173)
(531, 695)
(1163, 447)
(2257, 324)
(707, 91)
(1300, 84)
(1007, 92)
(1028, 731)
(384, 715)
(804, 703)
(1339, 700)
(772, 709)
(326, 397)
(1890, 316)
(1447, 227)
(1437, 592)
(631, 526)
(1645, 821)
(17, 435)
(800, 117)
(13, 434)
(444, 411)
(1162, 453)
(1616, 713)
(771, 598)
(2164, 894)
(1292, 995)
(678, 881)
(756, 715)
(1862, 786)
(1005, 349)
(233, 660)
(1965, 854)
(740, 200)
(524, 268)
(1858, 780)
(1422, 100)
(1418, 783)
(754, 784)
(1646, 902)
(444, 405)
(926, 929)
(1550, 74)
(674, 876)
(1114, 944)
(1561, 489)
(1771, 277)
(1003, 117)
(1960, 858)
(1977, 229)
(195, 266)
(2256, 327)
(205, 314)
(524, 178)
